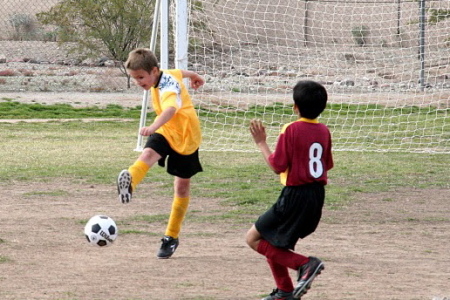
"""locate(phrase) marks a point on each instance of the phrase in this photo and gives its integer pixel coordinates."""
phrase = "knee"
(146, 154)
(251, 240)
(182, 187)
(251, 243)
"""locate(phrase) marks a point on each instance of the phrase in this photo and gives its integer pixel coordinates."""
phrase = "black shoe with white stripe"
(168, 247)
(278, 294)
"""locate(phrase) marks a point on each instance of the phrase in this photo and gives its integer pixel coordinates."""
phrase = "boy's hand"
(196, 81)
(258, 131)
(146, 131)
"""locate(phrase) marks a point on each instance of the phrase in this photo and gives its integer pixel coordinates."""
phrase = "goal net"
(385, 65)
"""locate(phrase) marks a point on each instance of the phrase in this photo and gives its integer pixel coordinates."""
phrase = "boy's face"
(143, 78)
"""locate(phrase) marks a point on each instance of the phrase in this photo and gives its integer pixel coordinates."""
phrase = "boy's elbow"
(275, 170)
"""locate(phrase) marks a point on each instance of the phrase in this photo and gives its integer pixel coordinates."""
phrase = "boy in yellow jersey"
(173, 137)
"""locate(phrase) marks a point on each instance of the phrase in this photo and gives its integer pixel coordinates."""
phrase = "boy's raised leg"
(124, 186)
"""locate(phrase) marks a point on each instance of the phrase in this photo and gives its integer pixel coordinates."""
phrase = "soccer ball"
(101, 231)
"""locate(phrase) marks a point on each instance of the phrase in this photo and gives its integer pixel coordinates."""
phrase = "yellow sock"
(138, 171)
(179, 209)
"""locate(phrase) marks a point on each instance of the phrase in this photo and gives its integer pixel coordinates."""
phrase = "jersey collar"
(159, 80)
(309, 120)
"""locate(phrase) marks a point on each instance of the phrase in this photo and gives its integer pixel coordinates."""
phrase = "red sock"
(286, 258)
(281, 275)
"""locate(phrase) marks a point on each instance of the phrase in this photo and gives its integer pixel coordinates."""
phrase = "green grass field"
(94, 152)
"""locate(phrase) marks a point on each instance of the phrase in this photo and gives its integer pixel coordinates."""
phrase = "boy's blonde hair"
(141, 59)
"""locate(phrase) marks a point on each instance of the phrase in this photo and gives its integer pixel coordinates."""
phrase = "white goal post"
(384, 63)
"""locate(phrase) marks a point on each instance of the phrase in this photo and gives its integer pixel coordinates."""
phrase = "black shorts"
(184, 166)
(294, 216)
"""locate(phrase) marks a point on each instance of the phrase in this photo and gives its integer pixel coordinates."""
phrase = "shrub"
(24, 27)
(360, 34)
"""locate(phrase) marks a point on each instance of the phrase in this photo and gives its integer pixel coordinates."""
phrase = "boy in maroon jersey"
(302, 157)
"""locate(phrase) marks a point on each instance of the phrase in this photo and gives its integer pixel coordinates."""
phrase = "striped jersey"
(303, 153)
(182, 131)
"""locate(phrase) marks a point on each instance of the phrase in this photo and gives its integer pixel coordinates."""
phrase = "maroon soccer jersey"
(303, 153)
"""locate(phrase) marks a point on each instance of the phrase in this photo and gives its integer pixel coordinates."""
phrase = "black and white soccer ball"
(101, 231)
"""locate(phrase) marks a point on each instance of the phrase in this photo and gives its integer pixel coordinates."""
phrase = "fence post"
(305, 25)
(399, 16)
(422, 20)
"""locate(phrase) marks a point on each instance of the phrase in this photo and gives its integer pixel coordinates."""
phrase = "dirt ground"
(383, 246)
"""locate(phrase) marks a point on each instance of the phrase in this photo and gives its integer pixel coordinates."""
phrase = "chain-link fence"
(31, 59)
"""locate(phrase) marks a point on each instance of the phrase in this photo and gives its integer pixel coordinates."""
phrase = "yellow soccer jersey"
(182, 131)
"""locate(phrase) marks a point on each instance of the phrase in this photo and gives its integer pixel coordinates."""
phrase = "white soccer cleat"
(124, 186)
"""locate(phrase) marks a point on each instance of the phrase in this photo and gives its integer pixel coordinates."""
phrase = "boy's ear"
(155, 71)
(295, 109)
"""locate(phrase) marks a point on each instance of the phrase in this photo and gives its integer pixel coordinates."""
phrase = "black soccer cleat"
(168, 247)
(278, 294)
(124, 186)
(306, 275)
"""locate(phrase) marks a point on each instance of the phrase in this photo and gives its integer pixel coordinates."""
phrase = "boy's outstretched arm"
(258, 132)
(165, 116)
(195, 79)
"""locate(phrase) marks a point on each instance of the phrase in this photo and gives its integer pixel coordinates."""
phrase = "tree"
(97, 26)
(438, 15)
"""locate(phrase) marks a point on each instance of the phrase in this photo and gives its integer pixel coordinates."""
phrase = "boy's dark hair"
(141, 59)
(310, 97)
